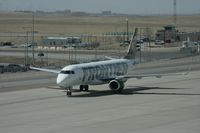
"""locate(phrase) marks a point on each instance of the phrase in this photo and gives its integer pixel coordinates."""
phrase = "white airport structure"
(61, 41)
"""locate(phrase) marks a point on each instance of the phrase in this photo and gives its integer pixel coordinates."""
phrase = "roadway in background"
(87, 55)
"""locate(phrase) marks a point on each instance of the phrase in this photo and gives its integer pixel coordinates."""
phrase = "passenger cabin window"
(67, 72)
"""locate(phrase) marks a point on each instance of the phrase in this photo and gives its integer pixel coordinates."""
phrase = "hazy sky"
(116, 6)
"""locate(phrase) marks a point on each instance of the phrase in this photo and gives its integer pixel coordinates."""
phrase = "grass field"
(57, 23)
(76, 25)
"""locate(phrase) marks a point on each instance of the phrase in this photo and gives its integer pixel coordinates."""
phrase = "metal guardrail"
(13, 68)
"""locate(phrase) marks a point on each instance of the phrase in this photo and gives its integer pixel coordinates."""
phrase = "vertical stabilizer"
(132, 46)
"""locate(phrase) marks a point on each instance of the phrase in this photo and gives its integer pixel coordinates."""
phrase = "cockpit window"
(67, 72)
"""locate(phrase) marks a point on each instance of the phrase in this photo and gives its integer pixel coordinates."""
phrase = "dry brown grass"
(13, 22)
(73, 25)
(11, 59)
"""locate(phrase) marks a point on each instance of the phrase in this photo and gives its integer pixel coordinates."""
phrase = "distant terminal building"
(194, 36)
(79, 13)
(118, 33)
(65, 42)
(106, 13)
(169, 35)
(67, 11)
(60, 41)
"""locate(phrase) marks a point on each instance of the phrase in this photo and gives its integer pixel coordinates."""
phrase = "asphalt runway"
(149, 105)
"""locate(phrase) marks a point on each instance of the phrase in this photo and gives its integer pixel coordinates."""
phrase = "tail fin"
(132, 46)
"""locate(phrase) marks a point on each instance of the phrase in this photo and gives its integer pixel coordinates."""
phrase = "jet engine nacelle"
(116, 85)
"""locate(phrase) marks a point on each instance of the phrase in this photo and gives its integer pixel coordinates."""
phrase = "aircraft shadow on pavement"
(141, 90)
(130, 90)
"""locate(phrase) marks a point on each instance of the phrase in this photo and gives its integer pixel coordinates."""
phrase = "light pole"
(33, 43)
(26, 45)
(140, 46)
(127, 29)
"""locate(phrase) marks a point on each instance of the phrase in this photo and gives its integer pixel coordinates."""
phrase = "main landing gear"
(82, 88)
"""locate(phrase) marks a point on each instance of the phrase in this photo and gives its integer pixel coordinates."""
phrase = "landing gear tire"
(84, 87)
(69, 92)
(81, 87)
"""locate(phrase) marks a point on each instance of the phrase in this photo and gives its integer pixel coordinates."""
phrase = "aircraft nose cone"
(61, 80)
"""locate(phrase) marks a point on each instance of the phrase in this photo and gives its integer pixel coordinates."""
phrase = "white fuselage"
(93, 73)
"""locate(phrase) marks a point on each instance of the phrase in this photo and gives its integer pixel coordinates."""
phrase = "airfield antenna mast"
(174, 16)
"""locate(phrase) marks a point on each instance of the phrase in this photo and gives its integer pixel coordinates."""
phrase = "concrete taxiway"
(150, 105)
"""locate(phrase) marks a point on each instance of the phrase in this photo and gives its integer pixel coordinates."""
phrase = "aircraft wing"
(109, 58)
(45, 70)
(151, 75)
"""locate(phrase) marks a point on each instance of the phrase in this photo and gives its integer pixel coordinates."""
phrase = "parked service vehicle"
(2, 69)
(140, 41)
(125, 43)
(159, 42)
(138, 47)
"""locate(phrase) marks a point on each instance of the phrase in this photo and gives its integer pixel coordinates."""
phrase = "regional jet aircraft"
(112, 71)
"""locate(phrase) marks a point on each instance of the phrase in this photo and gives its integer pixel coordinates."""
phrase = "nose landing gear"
(69, 91)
